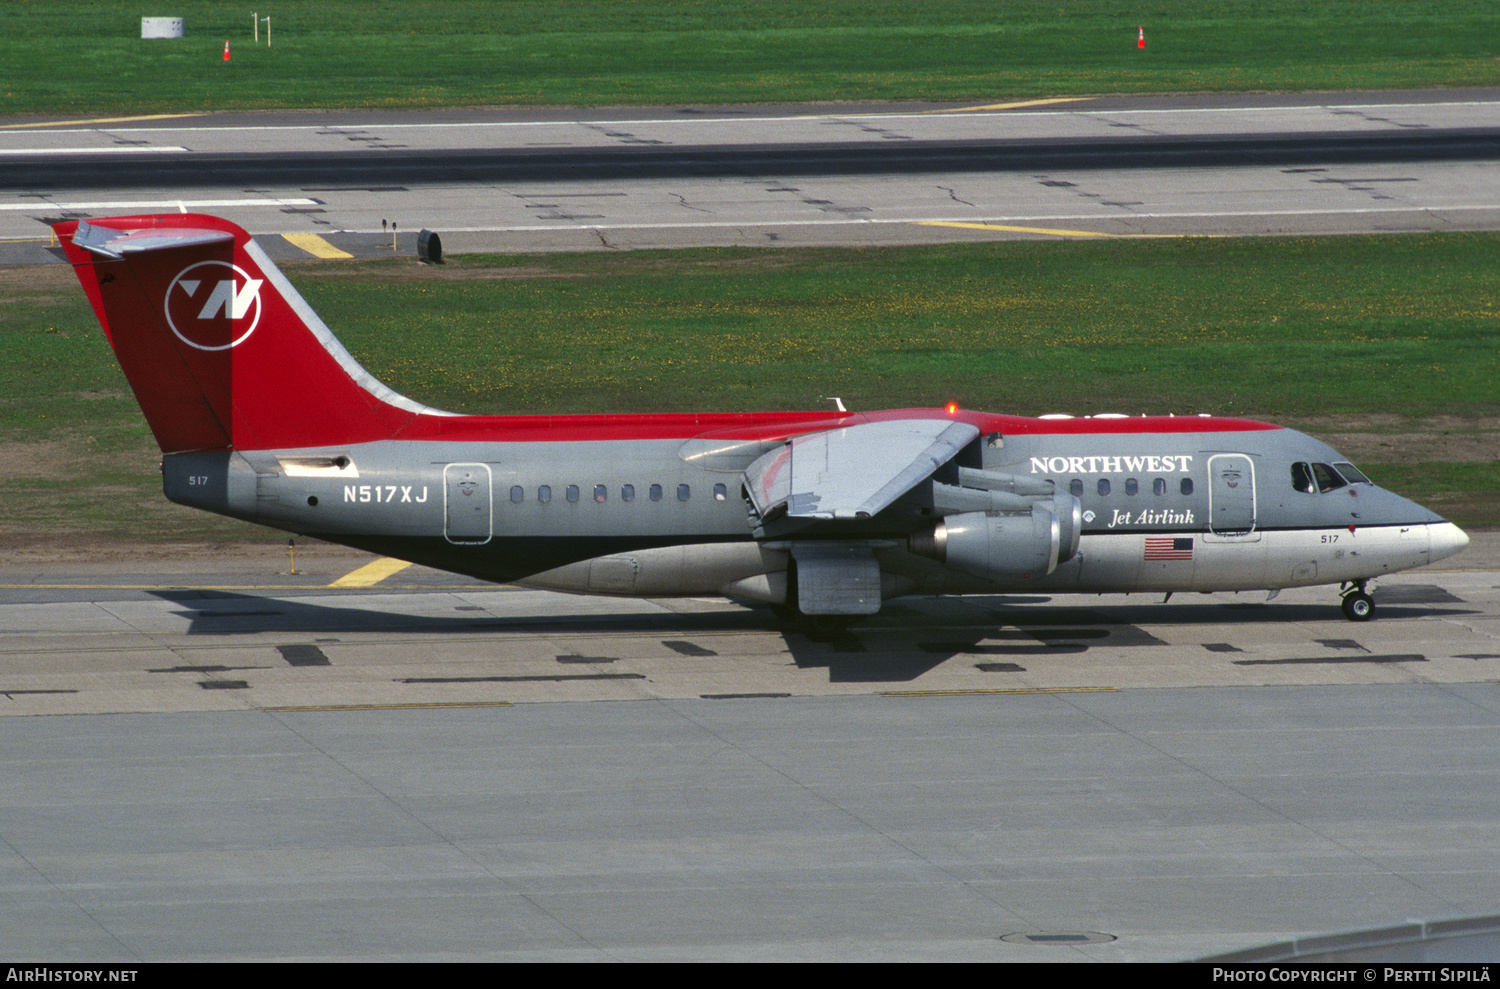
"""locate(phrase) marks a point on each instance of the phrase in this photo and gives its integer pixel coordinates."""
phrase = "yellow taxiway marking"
(1013, 690)
(1015, 230)
(316, 246)
(161, 586)
(391, 707)
(100, 120)
(226, 587)
(1014, 106)
(371, 573)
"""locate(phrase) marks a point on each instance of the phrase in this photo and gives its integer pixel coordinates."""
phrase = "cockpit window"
(1326, 477)
(1315, 478)
(1351, 473)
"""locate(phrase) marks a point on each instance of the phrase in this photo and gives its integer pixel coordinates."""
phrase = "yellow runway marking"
(1015, 230)
(161, 586)
(391, 707)
(371, 573)
(1014, 106)
(316, 246)
(1016, 690)
(100, 120)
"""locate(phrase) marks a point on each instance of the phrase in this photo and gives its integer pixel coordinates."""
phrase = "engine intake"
(1014, 545)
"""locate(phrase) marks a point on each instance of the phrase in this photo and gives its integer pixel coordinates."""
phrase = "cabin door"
(1231, 494)
(468, 504)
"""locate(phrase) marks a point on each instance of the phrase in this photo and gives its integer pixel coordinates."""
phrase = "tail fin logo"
(213, 305)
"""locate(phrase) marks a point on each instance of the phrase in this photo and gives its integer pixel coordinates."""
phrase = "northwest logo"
(213, 305)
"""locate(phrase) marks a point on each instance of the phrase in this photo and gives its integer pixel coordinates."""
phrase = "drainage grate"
(1058, 937)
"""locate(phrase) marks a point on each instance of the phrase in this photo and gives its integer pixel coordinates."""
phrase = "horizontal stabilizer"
(852, 472)
(113, 243)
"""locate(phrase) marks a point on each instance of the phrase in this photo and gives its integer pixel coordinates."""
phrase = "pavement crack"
(954, 196)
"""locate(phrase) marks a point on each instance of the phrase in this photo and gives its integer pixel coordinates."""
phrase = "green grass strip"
(1383, 334)
(80, 57)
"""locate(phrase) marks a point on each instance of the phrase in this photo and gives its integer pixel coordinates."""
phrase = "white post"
(268, 30)
(255, 25)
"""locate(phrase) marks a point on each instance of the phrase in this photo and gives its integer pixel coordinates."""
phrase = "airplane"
(262, 415)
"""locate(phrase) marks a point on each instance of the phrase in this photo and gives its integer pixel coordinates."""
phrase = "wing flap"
(853, 472)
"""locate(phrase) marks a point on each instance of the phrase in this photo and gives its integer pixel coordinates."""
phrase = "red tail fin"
(219, 348)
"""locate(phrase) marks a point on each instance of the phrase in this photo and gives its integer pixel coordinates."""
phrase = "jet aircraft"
(262, 415)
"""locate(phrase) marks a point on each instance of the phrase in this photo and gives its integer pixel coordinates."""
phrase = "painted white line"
(46, 206)
(132, 149)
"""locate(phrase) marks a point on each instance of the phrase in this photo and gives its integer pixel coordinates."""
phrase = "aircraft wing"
(852, 472)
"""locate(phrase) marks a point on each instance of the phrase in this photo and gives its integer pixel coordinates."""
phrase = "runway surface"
(425, 769)
(527, 180)
(245, 634)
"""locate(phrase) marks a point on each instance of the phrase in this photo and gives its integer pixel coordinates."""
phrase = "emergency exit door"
(468, 508)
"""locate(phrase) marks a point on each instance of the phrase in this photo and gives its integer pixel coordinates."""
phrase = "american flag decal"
(1169, 548)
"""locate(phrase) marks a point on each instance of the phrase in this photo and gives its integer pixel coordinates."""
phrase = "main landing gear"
(819, 628)
(1358, 605)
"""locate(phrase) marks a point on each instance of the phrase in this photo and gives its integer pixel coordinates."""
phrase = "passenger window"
(601, 493)
(1302, 478)
(573, 493)
(1326, 477)
(1075, 488)
(544, 493)
(684, 492)
(1186, 486)
(627, 493)
(1132, 486)
(720, 492)
(1159, 486)
(1103, 486)
(656, 492)
(517, 494)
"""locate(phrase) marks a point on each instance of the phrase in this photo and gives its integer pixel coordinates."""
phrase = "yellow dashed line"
(1014, 106)
(1015, 690)
(1015, 230)
(100, 120)
(391, 707)
(371, 573)
(315, 245)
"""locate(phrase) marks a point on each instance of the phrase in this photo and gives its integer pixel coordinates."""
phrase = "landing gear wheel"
(786, 614)
(825, 628)
(1358, 606)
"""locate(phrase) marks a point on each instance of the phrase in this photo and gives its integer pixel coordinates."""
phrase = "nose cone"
(1446, 539)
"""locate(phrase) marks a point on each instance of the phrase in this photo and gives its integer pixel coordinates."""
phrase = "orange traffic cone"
(1140, 42)
(226, 49)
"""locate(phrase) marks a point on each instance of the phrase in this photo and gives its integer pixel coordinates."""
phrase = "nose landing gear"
(1358, 605)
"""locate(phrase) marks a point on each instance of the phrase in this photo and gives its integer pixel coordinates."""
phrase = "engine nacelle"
(1007, 545)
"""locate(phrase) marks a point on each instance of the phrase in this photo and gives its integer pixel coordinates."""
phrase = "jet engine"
(1013, 544)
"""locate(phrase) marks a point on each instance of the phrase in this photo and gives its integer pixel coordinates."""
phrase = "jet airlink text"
(1161, 516)
(1111, 465)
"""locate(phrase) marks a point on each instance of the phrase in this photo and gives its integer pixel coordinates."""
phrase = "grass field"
(82, 57)
(1391, 343)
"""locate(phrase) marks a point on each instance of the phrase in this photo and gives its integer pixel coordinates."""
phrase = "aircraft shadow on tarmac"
(1000, 633)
